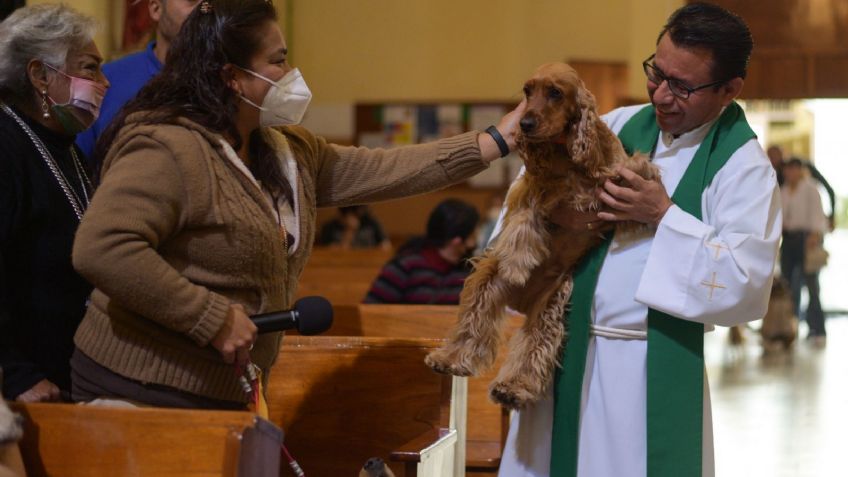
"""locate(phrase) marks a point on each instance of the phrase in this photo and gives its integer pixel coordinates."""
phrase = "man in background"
(431, 269)
(804, 226)
(775, 155)
(130, 73)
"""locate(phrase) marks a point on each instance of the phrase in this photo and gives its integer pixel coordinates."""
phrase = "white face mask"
(286, 101)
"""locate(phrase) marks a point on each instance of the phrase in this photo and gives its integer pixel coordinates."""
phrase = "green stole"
(675, 347)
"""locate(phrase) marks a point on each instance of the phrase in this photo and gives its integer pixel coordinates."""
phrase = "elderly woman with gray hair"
(51, 87)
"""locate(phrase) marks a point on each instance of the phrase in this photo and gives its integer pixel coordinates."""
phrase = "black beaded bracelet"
(499, 140)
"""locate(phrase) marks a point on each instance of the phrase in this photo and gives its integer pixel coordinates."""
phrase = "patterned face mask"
(85, 96)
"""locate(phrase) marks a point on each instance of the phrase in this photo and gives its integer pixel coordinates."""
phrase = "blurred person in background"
(804, 226)
(354, 227)
(775, 155)
(431, 269)
(130, 73)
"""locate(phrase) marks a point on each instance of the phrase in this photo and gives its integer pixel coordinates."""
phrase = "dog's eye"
(527, 91)
(555, 94)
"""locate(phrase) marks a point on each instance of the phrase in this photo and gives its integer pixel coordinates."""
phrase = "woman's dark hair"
(192, 85)
(724, 34)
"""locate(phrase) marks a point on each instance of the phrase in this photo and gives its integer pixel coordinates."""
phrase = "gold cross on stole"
(712, 285)
(718, 248)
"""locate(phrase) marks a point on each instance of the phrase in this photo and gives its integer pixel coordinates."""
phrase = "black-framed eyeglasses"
(676, 86)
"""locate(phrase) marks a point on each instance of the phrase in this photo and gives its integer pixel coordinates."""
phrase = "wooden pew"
(342, 276)
(343, 400)
(488, 423)
(11, 463)
(335, 257)
(67, 440)
(342, 285)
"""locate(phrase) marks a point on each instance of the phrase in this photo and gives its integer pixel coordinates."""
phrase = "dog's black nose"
(375, 463)
(527, 124)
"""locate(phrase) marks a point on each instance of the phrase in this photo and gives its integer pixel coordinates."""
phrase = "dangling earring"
(45, 109)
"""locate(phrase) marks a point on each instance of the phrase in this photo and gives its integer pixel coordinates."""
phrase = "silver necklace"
(79, 205)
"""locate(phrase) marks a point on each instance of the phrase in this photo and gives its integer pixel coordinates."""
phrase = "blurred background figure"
(775, 155)
(431, 269)
(804, 226)
(51, 88)
(130, 73)
(354, 227)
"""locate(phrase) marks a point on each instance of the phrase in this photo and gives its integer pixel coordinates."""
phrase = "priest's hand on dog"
(635, 199)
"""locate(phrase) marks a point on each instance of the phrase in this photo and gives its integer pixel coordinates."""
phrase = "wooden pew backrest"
(488, 423)
(373, 258)
(343, 400)
(66, 440)
(341, 285)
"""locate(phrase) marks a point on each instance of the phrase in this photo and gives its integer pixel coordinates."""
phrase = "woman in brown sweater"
(207, 208)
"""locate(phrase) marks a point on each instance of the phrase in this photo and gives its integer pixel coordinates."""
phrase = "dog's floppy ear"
(585, 144)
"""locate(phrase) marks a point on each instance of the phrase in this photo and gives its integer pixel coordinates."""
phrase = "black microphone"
(311, 315)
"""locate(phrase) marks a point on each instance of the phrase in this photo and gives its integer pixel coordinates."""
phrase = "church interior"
(386, 74)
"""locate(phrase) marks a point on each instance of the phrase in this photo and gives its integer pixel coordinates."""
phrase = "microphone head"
(314, 315)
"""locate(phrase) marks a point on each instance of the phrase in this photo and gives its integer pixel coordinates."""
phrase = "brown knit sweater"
(175, 233)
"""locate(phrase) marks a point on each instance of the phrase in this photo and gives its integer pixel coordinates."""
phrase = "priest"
(631, 398)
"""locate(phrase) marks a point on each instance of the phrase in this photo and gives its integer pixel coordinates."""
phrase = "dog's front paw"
(513, 393)
(445, 362)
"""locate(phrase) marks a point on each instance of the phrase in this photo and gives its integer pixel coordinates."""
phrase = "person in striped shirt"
(431, 269)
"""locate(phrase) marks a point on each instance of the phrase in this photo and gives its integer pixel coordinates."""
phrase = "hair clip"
(205, 7)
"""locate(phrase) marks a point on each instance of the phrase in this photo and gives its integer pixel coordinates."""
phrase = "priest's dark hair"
(724, 34)
(192, 83)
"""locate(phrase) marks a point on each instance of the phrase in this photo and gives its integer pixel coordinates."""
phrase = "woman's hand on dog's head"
(507, 126)
(636, 199)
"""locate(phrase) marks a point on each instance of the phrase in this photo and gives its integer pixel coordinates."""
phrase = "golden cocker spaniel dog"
(568, 153)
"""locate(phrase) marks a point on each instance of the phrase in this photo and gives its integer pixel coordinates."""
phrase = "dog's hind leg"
(534, 351)
(474, 340)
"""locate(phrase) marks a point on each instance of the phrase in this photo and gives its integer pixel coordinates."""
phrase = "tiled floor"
(782, 415)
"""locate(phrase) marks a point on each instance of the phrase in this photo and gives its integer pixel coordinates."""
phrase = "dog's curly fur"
(568, 153)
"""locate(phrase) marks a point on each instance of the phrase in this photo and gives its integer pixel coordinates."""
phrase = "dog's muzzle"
(528, 124)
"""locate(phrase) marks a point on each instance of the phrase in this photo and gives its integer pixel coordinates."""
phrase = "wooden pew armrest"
(412, 450)
(430, 454)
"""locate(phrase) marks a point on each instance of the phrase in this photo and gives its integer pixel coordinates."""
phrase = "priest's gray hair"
(43, 32)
